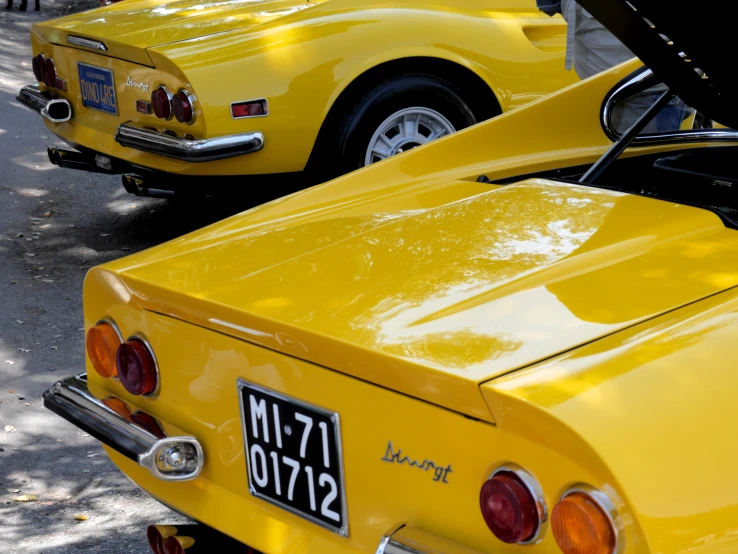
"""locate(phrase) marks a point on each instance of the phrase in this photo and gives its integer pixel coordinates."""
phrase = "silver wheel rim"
(404, 130)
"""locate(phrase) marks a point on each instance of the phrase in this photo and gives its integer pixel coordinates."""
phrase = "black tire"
(346, 148)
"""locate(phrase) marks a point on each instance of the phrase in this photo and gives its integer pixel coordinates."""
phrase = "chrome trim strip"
(410, 540)
(266, 103)
(531, 483)
(342, 531)
(636, 84)
(87, 43)
(188, 150)
(70, 398)
(607, 506)
(34, 99)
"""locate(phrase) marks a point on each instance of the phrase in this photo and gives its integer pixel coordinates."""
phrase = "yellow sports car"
(515, 339)
(164, 90)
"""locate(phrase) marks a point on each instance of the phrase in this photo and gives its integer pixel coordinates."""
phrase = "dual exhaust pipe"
(193, 539)
(70, 159)
(97, 163)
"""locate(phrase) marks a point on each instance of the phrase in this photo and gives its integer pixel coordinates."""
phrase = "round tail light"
(37, 64)
(178, 545)
(509, 508)
(48, 72)
(582, 526)
(157, 536)
(136, 367)
(103, 341)
(182, 107)
(161, 103)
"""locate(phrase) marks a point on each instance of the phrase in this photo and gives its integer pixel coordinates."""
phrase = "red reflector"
(37, 72)
(60, 84)
(249, 109)
(182, 107)
(149, 423)
(509, 508)
(160, 103)
(136, 367)
(48, 72)
(142, 106)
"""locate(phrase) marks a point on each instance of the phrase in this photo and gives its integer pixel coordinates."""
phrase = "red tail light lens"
(136, 367)
(509, 508)
(37, 72)
(148, 422)
(102, 345)
(182, 106)
(249, 109)
(161, 103)
(48, 72)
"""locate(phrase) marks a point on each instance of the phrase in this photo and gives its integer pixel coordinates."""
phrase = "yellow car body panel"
(299, 56)
(650, 401)
(325, 296)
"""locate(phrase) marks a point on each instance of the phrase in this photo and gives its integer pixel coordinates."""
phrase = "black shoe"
(9, 6)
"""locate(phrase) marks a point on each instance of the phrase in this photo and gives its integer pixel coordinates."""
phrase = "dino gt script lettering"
(440, 473)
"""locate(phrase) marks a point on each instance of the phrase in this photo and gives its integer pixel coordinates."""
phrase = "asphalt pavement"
(55, 224)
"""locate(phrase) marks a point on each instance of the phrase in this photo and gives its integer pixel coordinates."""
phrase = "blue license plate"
(97, 88)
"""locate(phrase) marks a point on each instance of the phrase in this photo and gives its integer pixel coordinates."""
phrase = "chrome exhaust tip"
(53, 154)
(57, 110)
(136, 184)
(192, 538)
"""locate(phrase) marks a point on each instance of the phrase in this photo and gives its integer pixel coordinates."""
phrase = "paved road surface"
(54, 225)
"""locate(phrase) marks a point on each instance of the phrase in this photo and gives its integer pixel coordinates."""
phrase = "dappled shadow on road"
(69, 478)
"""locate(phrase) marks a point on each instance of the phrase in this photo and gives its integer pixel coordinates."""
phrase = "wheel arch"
(483, 100)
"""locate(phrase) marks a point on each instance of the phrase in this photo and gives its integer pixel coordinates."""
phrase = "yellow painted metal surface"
(300, 56)
(199, 369)
(432, 303)
(657, 404)
(405, 296)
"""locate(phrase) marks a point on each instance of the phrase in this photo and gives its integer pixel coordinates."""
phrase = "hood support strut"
(612, 154)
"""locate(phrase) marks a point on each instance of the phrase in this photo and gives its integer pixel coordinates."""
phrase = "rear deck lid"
(685, 43)
(128, 28)
(433, 303)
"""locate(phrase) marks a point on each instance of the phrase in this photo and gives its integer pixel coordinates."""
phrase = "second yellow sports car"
(168, 89)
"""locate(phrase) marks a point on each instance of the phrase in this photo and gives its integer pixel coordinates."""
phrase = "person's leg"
(9, 5)
(38, 5)
(23, 5)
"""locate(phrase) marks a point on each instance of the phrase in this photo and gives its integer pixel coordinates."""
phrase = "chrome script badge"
(131, 83)
(440, 473)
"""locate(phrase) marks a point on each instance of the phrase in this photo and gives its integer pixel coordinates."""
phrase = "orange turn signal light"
(102, 344)
(581, 526)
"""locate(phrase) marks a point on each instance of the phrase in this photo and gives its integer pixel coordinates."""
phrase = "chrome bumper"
(56, 110)
(71, 399)
(188, 150)
(409, 540)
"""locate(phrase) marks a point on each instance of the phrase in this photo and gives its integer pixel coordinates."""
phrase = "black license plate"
(294, 457)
